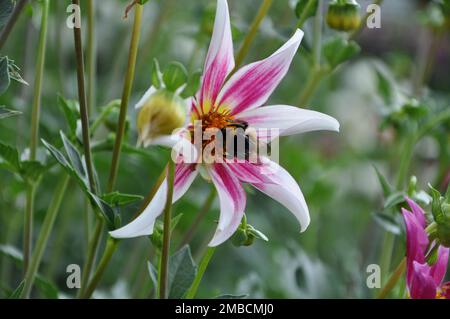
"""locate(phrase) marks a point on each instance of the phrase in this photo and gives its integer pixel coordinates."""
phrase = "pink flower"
(423, 281)
(223, 102)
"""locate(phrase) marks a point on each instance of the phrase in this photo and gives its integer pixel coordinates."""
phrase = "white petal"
(287, 120)
(232, 202)
(145, 97)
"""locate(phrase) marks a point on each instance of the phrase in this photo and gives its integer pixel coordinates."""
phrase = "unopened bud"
(160, 115)
(344, 15)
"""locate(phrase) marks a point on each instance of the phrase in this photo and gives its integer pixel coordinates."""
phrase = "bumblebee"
(239, 141)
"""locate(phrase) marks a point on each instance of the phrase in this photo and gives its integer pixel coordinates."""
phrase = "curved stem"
(165, 252)
(40, 63)
(392, 280)
(111, 246)
(11, 22)
(203, 211)
(201, 271)
(243, 51)
(44, 234)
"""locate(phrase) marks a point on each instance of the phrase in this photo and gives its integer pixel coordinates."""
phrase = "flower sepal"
(246, 234)
(440, 209)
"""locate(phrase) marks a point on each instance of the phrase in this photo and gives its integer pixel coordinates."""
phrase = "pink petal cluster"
(239, 96)
(424, 281)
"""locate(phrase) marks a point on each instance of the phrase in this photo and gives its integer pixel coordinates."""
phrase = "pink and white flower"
(239, 99)
(424, 281)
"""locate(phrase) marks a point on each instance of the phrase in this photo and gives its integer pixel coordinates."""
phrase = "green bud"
(344, 15)
(239, 238)
(441, 214)
(160, 115)
(246, 234)
(112, 119)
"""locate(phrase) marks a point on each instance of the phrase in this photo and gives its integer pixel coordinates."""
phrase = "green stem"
(203, 212)
(304, 16)
(94, 242)
(317, 35)
(393, 280)
(11, 22)
(316, 76)
(44, 234)
(201, 270)
(91, 51)
(165, 252)
(126, 95)
(243, 51)
(386, 255)
(83, 104)
(31, 189)
(111, 246)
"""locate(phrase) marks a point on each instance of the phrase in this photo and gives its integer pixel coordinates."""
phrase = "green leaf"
(388, 222)
(387, 188)
(5, 113)
(192, 85)
(394, 199)
(156, 74)
(5, 80)
(108, 212)
(182, 271)
(338, 50)
(385, 88)
(74, 157)
(18, 291)
(13, 71)
(153, 273)
(258, 234)
(175, 75)
(228, 296)
(10, 156)
(71, 112)
(119, 199)
(6, 8)
(31, 171)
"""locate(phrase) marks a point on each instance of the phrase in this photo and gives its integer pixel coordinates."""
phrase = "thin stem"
(311, 86)
(201, 271)
(243, 51)
(393, 280)
(364, 21)
(111, 246)
(164, 273)
(40, 63)
(91, 52)
(11, 22)
(44, 234)
(386, 255)
(90, 258)
(317, 35)
(203, 212)
(83, 104)
(304, 16)
(126, 95)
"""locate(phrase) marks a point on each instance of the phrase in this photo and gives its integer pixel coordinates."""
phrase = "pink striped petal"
(232, 202)
(219, 60)
(283, 188)
(252, 85)
(287, 120)
(422, 285)
(417, 211)
(439, 269)
(416, 242)
(144, 223)
(249, 172)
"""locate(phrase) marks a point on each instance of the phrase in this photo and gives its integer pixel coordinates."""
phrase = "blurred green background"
(335, 171)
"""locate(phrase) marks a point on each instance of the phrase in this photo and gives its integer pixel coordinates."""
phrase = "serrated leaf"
(5, 113)
(386, 187)
(182, 271)
(338, 50)
(174, 76)
(228, 296)
(74, 156)
(119, 199)
(71, 112)
(5, 80)
(10, 156)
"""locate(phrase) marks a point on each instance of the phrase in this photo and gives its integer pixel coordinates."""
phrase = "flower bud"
(246, 234)
(160, 115)
(441, 214)
(344, 15)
